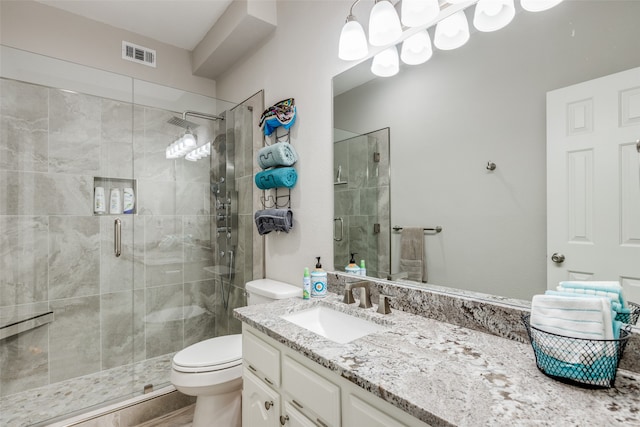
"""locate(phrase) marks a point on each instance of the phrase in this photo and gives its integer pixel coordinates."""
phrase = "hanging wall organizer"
(276, 158)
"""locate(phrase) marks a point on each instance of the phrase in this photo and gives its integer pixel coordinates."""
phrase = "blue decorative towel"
(597, 372)
(277, 177)
(269, 220)
(278, 154)
(610, 289)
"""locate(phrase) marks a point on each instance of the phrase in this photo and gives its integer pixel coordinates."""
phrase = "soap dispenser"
(318, 281)
(352, 267)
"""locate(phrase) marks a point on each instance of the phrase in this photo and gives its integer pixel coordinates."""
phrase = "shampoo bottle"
(306, 284)
(115, 202)
(129, 200)
(99, 206)
(352, 267)
(363, 269)
(318, 281)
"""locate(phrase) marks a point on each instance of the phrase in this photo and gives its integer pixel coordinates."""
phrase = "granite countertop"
(449, 375)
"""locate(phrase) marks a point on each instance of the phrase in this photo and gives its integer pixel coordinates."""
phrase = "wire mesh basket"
(630, 318)
(583, 362)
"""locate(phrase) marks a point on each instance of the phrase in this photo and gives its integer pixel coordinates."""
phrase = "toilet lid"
(215, 353)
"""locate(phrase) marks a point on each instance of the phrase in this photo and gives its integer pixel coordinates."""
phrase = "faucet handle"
(383, 304)
(348, 297)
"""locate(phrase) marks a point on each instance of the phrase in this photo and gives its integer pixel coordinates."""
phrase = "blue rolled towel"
(277, 177)
(278, 154)
(268, 220)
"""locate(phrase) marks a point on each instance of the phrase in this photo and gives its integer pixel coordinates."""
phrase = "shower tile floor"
(80, 394)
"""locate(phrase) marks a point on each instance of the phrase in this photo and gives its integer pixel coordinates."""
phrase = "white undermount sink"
(332, 324)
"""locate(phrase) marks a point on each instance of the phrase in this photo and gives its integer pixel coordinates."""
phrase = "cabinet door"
(359, 413)
(294, 418)
(260, 403)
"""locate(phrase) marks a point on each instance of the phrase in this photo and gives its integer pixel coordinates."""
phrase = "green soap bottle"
(306, 284)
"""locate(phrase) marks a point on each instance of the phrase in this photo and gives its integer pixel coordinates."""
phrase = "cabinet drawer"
(261, 358)
(358, 412)
(311, 392)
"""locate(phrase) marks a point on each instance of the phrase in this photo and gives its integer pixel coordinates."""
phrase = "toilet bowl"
(211, 370)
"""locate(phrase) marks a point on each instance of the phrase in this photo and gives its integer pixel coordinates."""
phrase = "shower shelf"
(14, 325)
(120, 183)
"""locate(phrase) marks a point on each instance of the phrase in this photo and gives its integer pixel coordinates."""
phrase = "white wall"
(45, 30)
(298, 61)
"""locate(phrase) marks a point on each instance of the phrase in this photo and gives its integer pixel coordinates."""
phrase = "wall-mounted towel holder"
(436, 229)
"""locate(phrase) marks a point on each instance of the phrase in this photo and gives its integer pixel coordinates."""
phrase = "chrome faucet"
(365, 294)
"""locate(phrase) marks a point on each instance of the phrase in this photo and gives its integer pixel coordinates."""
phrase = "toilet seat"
(214, 354)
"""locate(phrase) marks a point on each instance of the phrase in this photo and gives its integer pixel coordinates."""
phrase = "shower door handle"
(117, 237)
(341, 229)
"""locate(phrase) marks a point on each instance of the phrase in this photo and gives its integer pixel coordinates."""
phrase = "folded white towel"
(575, 317)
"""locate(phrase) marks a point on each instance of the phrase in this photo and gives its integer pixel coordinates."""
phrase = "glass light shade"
(189, 140)
(416, 49)
(353, 42)
(386, 63)
(452, 32)
(491, 15)
(415, 13)
(384, 24)
(538, 5)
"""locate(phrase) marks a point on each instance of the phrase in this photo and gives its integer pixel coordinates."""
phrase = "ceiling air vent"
(139, 54)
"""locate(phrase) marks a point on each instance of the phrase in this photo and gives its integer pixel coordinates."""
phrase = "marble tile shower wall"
(362, 201)
(54, 253)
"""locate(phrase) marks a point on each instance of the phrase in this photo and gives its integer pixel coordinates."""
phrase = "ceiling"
(181, 23)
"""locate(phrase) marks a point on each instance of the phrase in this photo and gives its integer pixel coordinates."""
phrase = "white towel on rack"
(412, 254)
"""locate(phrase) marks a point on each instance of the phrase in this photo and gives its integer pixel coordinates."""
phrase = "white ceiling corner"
(180, 23)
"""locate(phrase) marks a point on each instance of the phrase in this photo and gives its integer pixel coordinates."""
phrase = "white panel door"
(593, 181)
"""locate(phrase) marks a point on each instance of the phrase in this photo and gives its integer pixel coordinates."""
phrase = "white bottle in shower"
(99, 206)
(129, 200)
(115, 201)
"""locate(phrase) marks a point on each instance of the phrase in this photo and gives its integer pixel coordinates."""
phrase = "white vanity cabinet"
(283, 388)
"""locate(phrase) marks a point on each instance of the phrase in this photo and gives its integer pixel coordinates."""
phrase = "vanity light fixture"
(416, 49)
(181, 146)
(384, 24)
(492, 15)
(450, 32)
(416, 13)
(386, 64)
(353, 42)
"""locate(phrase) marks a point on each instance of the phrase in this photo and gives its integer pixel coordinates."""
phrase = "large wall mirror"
(486, 102)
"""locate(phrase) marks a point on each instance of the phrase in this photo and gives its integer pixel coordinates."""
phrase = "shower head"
(183, 123)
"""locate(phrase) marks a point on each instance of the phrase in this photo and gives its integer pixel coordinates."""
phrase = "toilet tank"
(266, 290)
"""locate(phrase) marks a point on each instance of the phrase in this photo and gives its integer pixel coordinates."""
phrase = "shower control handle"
(117, 237)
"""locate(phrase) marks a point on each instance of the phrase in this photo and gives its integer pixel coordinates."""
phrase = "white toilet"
(212, 369)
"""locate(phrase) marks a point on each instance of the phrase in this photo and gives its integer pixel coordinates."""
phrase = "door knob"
(268, 405)
(557, 258)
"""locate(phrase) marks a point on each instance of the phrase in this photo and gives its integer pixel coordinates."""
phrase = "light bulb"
(415, 13)
(452, 32)
(386, 64)
(384, 24)
(188, 139)
(416, 49)
(538, 5)
(491, 15)
(353, 42)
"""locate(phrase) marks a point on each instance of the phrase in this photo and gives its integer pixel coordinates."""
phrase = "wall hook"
(491, 166)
